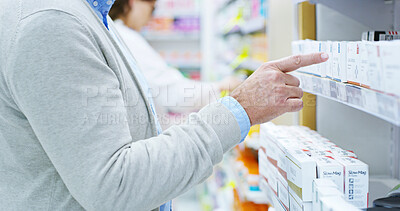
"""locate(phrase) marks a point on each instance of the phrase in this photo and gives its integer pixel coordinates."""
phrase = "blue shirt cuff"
(240, 114)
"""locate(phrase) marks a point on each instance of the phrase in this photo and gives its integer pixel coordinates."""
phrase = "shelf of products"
(360, 75)
(364, 75)
(174, 31)
(240, 45)
(170, 26)
(235, 183)
(241, 34)
(381, 105)
(247, 27)
(294, 160)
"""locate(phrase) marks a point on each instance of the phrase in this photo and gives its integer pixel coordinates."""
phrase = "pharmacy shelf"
(225, 5)
(172, 37)
(256, 197)
(376, 14)
(252, 26)
(384, 106)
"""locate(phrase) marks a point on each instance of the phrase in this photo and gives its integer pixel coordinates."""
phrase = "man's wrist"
(240, 114)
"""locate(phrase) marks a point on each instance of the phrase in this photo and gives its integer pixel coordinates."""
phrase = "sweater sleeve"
(60, 80)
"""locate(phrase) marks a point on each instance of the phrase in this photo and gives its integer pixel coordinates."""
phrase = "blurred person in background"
(172, 92)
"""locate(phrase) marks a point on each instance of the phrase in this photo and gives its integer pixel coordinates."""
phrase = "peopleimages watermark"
(167, 96)
(109, 118)
(195, 97)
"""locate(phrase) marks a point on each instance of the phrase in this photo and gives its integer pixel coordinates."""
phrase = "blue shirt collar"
(101, 8)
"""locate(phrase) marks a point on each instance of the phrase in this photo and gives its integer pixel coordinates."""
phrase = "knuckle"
(280, 101)
(279, 90)
(275, 75)
(300, 92)
(296, 106)
(299, 106)
(296, 59)
(267, 66)
(297, 81)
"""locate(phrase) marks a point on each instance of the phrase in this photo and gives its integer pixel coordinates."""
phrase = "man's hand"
(229, 83)
(270, 92)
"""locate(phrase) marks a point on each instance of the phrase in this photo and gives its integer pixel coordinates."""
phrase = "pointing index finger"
(295, 62)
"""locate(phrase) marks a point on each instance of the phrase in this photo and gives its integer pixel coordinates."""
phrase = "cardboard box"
(263, 166)
(321, 68)
(320, 183)
(323, 192)
(335, 203)
(356, 181)
(364, 65)
(309, 47)
(353, 63)
(390, 54)
(296, 205)
(271, 151)
(283, 193)
(301, 173)
(339, 70)
(266, 189)
(319, 153)
(272, 178)
(374, 69)
(329, 168)
(307, 206)
(329, 65)
(278, 205)
(343, 153)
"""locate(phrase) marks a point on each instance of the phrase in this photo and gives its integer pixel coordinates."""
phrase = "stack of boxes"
(364, 63)
(291, 158)
(381, 35)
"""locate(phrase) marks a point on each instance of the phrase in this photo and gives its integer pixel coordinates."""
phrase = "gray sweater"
(76, 131)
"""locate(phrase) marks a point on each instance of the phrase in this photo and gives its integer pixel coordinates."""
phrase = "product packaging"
(330, 62)
(380, 35)
(298, 205)
(329, 168)
(390, 54)
(353, 63)
(301, 173)
(374, 69)
(323, 192)
(356, 178)
(339, 70)
(319, 183)
(336, 203)
(364, 65)
(283, 193)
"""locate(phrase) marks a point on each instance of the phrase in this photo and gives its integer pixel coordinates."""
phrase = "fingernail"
(324, 56)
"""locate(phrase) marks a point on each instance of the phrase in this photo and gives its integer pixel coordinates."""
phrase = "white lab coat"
(171, 91)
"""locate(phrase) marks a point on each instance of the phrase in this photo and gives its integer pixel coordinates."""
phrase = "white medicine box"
(353, 63)
(339, 70)
(390, 54)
